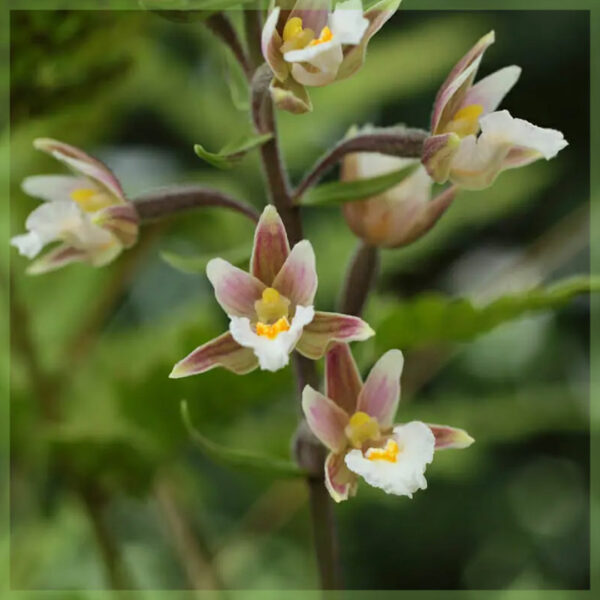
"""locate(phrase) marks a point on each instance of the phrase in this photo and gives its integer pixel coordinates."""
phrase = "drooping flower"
(87, 212)
(355, 422)
(311, 45)
(471, 142)
(270, 309)
(400, 215)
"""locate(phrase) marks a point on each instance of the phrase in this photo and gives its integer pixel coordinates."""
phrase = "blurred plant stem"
(223, 28)
(47, 392)
(192, 551)
(253, 31)
(360, 277)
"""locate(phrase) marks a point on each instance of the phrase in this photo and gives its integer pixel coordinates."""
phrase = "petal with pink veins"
(342, 379)
(83, 164)
(297, 279)
(223, 351)
(491, 90)
(271, 43)
(271, 247)
(380, 395)
(450, 437)
(327, 328)
(340, 482)
(121, 220)
(325, 419)
(236, 291)
(55, 259)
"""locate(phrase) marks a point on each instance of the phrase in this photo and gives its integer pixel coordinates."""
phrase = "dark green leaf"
(338, 192)
(238, 458)
(232, 153)
(435, 318)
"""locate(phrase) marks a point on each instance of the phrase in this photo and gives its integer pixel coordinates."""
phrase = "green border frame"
(589, 5)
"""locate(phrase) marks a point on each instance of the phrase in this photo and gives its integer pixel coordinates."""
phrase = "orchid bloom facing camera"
(270, 309)
(472, 142)
(311, 45)
(401, 214)
(355, 422)
(87, 212)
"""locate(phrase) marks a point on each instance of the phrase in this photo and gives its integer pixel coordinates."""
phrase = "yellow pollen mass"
(90, 200)
(466, 120)
(292, 28)
(272, 306)
(326, 36)
(272, 331)
(361, 428)
(389, 453)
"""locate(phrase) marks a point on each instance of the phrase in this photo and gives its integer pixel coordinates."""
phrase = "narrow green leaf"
(338, 192)
(238, 458)
(232, 153)
(434, 318)
(194, 264)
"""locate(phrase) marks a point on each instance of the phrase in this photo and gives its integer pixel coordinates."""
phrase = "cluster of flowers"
(270, 308)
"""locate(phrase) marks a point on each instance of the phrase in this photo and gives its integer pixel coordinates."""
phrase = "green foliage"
(193, 264)
(233, 152)
(335, 193)
(430, 319)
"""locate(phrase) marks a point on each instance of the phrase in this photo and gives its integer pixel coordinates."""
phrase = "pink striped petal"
(340, 481)
(271, 247)
(271, 43)
(236, 291)
(223, 351)
(121, 220)
(450, 96)
(342, 379)
(354, 56)
(450, 437)
(325, 419)
(83, 164)
(380, 395)
(297, 279)
(55, 259)
(491, 90)
(327, 328)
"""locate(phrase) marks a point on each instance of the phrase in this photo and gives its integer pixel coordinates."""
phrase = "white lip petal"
(54, 187)
(28, 244)
(347, 22)
(326, 57)
(272, 354)
(407, 474)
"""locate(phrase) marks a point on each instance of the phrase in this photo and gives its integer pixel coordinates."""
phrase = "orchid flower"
(311, 45)
(355, 422)
(86, 211)
(400, 215)
(471, 142)
(270, 309)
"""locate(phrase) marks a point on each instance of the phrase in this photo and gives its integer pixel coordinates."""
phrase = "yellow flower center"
(295, 37)
(272, 331)
(326, 36)
(389, 453)
(91, 200)
(361, 428)
(465, 121)
(272, 306)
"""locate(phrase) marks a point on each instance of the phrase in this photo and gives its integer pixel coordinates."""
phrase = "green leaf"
(194, 264)
(338, 192)
(238, 458)
(232, 153)
(434, 318)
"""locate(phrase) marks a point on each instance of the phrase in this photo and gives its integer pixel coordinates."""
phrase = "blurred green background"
(95, 346)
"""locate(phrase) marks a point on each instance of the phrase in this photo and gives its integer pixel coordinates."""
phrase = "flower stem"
(309, 452)
(222, 28)
(172, 200)
(360, 278)
(253, 31)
